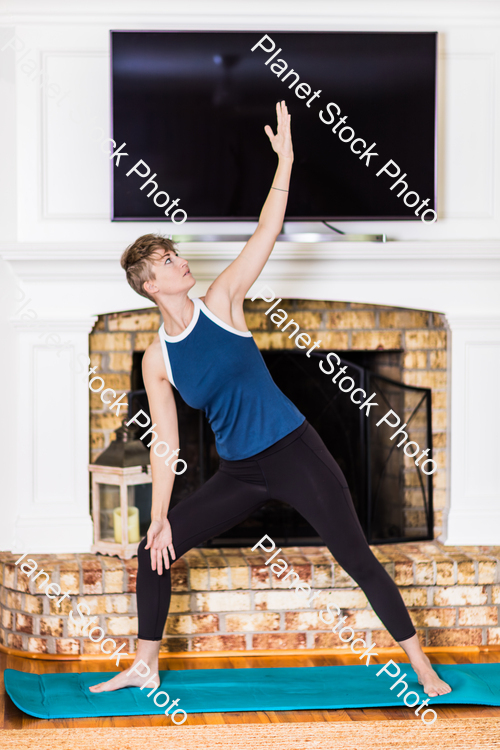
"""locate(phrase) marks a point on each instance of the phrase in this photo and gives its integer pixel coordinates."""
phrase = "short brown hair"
(136, 260)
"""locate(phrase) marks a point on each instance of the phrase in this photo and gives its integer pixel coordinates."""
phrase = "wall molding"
(464, 249)
(390, 13)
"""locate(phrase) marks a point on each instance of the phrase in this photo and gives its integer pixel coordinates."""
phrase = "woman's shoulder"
(220, 310)
(153, 356)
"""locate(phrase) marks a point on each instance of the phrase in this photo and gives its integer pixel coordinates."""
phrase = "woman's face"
(172, 274)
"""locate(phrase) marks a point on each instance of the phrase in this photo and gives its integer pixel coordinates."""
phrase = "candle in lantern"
(133, 525)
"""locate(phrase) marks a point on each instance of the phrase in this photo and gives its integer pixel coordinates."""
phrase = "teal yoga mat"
(63, 696)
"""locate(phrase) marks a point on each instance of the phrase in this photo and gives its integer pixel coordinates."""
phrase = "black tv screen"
(191, 108)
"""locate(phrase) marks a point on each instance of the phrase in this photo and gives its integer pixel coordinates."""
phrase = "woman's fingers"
(283, 118)
(280, 118)
(269, 132)
(283, 130)
(160, 557)
(279, 112)
(166, 558)
(159, 562)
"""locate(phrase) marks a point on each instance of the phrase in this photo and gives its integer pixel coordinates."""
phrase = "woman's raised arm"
(234, 282)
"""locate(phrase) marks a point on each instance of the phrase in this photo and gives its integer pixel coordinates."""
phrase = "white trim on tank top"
(220, 322)
(198, 305)
(196, 313)
(166, 358)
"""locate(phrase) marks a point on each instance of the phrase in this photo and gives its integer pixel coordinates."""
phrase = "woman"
(267, 448)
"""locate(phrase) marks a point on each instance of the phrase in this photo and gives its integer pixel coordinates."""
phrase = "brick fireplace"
(417, 337)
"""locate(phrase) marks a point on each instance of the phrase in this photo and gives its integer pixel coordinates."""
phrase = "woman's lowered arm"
(164, 418)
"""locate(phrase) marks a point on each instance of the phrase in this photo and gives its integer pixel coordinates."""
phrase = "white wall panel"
(474, 513)
(481, 423)
(52, 440)
(53, 426)
(75, 170)
(468, 142)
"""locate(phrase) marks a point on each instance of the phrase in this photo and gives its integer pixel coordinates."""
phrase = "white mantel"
(59, 246)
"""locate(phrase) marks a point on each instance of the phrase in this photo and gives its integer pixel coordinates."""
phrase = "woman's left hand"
(282, 141)
(160, 543)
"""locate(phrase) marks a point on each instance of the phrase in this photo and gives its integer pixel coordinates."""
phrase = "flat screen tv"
(192, 106)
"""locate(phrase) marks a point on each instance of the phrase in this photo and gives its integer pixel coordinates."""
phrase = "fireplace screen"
(392, 497)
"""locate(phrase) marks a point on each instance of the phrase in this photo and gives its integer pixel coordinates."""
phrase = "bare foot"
(124, 680)
(427, 677)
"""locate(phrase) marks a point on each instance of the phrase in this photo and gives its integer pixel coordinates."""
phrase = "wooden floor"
(12, 718)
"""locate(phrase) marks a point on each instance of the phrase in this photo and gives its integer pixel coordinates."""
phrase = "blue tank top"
(221, 370)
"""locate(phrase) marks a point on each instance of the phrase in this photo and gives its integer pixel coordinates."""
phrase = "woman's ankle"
(149, 653)
(421, 661)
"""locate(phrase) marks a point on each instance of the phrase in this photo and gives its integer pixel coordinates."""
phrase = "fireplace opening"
(392, 497)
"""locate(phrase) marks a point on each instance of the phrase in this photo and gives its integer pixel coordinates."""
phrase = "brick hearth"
(227, 600)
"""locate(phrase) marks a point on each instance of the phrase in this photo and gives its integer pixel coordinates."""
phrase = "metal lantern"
(121, 494)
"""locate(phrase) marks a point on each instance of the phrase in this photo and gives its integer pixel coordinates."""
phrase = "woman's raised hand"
(160, 542)
(282, 141)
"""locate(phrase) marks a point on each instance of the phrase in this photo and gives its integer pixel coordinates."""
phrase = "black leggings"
(300, 471)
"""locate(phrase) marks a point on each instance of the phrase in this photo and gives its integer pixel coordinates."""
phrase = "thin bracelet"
(274, 188)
